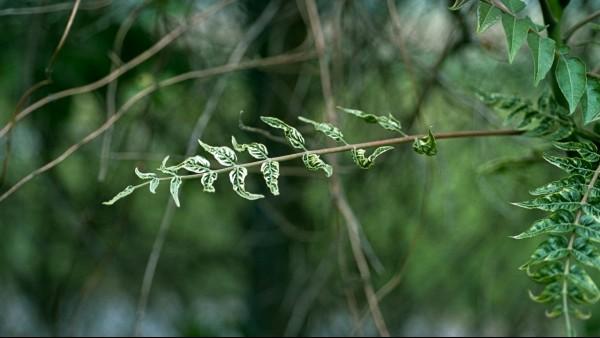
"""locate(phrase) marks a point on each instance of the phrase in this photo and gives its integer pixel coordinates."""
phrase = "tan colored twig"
(63, 38)
(162, 43)
(58, 7)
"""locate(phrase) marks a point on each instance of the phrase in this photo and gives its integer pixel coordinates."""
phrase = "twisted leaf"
(314, 162)
(387, 122)
(174, 189)
(128, 190)
(363, 162)
(237, 177)
(425, 145)
(208, 180)
(292, 135)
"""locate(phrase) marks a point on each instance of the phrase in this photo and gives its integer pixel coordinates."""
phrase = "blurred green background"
(437, 227)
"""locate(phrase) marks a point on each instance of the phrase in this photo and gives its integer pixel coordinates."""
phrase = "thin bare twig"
(162, 43)
(111, 90)
(58, 7)
(571, 31)
(352, 223)
(63, 38)
(199, 74)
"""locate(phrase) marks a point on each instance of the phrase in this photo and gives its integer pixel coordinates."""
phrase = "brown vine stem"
(371, 144)
(571, 31)
(162, 43)
(565, 293)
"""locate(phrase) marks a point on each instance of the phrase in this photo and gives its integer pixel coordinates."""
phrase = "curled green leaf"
(208, 180)
(255, 149)
(237, 177)
(127, 191)
(387, 122)
(425, 145)
(153, 185)
(144, 176)
(364, 162)
(174, 189)
(314, 162)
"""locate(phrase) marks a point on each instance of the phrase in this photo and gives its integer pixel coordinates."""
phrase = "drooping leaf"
(559, 222)
(516, 33)
(237, 177)
(580, 279)
(364, 162)
(270, 171)
(515, 6)
(328, 129)
(587, 150)
(208, 180)
(171, 170)
(542, 51)
(387, 122)
(144, 176)
(550, 293)
(127, 191)
(566, 199)
(570, 165)
(571, 78)
(224, 155)
(591, 103)
(487, 16)
(314, 162)
(255, 149)
(174, 189)
(552, 249)
(458, 4)
(153, 185)
(546, 273)
(293, 136)
(425, 145)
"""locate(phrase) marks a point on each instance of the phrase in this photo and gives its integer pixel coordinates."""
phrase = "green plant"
(572, 227)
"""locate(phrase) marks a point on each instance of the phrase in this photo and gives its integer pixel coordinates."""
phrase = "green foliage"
(591, 104)
(487, 16)
(269, 167)
(516, 33)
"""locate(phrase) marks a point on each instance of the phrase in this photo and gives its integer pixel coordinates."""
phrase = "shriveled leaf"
(571, 78)
(425, 145)
(542, 51)
(270, 171)
(224, 155)
(174, 189)
(208, 180)
(586, 150)
(591, 103)
(128, 190)
(328, 129)
(314, 162)
(550, 293)
(364, 162)
(255, 149)
(516, 33)
(144, 176)
(237, 177)
(153, 185)
(293, 136)
(487, 16)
